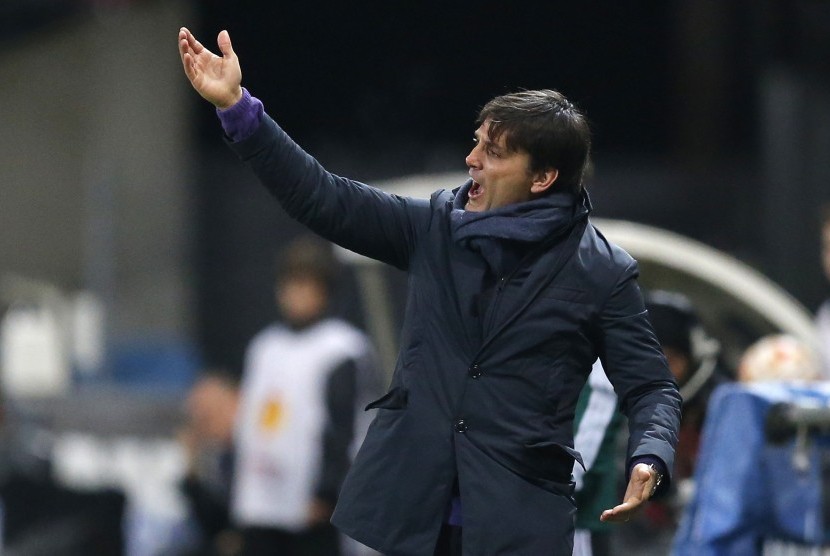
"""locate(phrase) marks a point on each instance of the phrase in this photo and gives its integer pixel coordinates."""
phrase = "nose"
(473, 160)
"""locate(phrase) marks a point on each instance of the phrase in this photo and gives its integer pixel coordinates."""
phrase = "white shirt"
(281, 420)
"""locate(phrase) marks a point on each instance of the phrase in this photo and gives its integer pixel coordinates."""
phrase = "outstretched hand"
(217, 78)
(640, 488)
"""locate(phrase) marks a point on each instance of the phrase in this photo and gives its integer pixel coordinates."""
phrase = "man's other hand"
(640, 488)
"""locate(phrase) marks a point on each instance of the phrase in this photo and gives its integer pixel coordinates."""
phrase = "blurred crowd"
(264, 449)
(267, 455)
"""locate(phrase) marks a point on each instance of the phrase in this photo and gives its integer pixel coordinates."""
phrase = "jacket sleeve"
(351, 214)
(634, 362)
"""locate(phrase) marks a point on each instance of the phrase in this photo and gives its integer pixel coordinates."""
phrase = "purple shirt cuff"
(241, 120)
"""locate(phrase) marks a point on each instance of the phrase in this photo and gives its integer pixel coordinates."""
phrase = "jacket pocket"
(559, 457)
(396, 398)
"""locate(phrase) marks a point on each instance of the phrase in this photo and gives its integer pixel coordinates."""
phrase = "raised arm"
(353, 215)
(217, 78)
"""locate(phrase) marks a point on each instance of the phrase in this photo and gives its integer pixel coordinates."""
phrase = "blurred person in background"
(302, 382)
(39, 516)
(823, 316)
(207, 439)
(474, 439)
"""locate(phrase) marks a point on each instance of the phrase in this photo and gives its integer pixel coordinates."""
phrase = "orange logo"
(272, 414)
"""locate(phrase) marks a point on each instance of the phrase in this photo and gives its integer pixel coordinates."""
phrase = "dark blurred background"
(710, 118)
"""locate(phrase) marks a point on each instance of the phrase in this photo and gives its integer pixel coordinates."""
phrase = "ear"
(543, 181)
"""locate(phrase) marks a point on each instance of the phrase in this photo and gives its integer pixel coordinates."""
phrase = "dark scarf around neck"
(495, 233)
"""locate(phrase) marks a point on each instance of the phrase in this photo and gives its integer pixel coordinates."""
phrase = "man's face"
(500, 177)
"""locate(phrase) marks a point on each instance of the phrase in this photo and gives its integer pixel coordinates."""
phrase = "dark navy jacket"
(492, 406)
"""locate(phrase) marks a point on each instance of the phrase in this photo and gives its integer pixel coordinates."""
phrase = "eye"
(493, 152)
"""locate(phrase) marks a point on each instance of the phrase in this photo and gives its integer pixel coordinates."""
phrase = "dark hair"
(548, 127)
(308, 257)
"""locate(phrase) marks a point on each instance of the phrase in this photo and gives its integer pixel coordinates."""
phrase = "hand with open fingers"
(217, 78)
(641, 487)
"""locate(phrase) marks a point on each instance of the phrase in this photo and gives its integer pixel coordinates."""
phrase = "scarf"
(503, 234)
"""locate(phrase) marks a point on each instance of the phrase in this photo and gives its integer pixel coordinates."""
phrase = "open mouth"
(476, 190)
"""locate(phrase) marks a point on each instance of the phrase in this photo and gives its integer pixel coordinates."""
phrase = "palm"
(217, 78)
(638, 491)
(212, 73)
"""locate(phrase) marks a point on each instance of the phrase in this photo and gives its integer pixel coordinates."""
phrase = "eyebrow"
(483, 138)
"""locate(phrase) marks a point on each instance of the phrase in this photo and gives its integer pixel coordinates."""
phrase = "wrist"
(658, 470)
(657, 474)
(233, 99)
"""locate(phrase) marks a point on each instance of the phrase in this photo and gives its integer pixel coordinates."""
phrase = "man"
(297, 416)
(512, 297)
(206, 438)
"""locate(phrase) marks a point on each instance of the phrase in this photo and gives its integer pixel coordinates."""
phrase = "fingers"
(186, 52)
(635, 496)
(216, 78)
(187, 63)
(191, 51)
(618, 514)
(224, 42)
(193, 44)
(184, 46)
